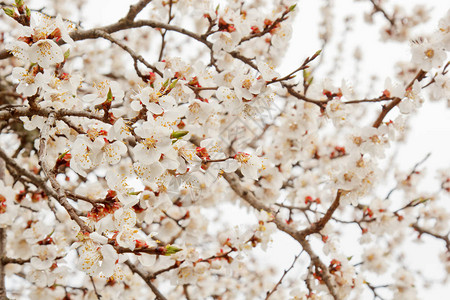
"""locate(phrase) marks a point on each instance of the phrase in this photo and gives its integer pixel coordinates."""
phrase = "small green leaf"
(306, 74)
(9, 12)
(19, 3)
(109, 97)
(27, 11)
(165, 84)
(292, 7)
(172, 85)
(316, 54)
(133, 193)
(63, 154)
(67, 54)
(171, 250)
(178, 134)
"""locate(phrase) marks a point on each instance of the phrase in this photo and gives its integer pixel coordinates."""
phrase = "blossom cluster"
(121, 177)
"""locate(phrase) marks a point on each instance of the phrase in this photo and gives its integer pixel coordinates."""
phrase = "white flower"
(119, 131)
(153, 100)
(113, 151)
(28, 82)
(64, 30)
(440, 90)
(393, 89)
(38, 231)
(444, 31)
(246, 86)
(96, 258)
(102, 89)
(156, 141)
(225, 40)
(376, 260)
(267, 71)
(406, 106)
(404, 287)
(229, 99)
(19, 49)
(282, 35)
(43, 256)
(86, 154)
(118, 180)
(412, 99)
(250, 164)
(46, 53)
(149, 172)
(337, 111)
(199, 111)
(8, 207)
(38, 277)
(427, 55)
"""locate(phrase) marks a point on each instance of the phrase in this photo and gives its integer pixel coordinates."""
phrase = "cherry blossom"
(194, 150)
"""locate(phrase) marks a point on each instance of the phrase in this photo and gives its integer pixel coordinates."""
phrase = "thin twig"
(147, 280)
(269, 293)
(50, 174)
(95, 288)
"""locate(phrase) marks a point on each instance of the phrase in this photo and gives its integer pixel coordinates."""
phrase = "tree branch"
(147, 280)
(50, 174)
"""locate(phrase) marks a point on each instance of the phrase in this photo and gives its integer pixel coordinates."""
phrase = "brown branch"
(172, 267)
(250, 198)
(290, 89)
(2, 247)
(163, 34)
(269, 293)
(95, 288)
(421, 231)
(410, 174)
(19, 261)
(387, 108)
(15, 112)
(136, 9)
(77, 197)
(148, 250)
(373, 289)
(50, 174)
(2, 266)
(319, 225)
(147, 280)
(267, 29)
(185, 291)
(136, 57)
(378, 8)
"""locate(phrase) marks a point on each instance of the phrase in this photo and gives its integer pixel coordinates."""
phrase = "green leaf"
(165, 84)
(172, 85)
(133, 193)
(109, 97)
(306, 74)
(19, 3)
(67, 54)
(9, 12)
(171, 250)
(178, 134)
(292, 7)
(316, 54)
(63, 154)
